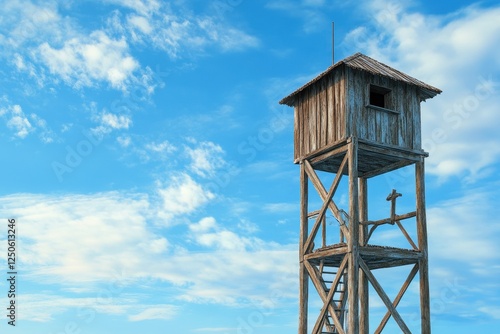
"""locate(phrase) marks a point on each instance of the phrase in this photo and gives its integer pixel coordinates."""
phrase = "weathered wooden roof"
(362, 62)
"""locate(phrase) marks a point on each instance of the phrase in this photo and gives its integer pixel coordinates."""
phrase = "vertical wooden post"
(422, 245)
(303, 275)
(364, 326)
(353, 241)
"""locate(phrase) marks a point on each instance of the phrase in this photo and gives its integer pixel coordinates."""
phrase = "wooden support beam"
(376, 285)
(326, 203)
(323, 194)
(397, 219)
(303, 275)
(407, 236)
(364, 319)
(389, 220)
(335, 148)
(405, 286)
(329, 154)
(391, 150)
(325, 253)
(422, 245)
(353, 241)
(323, 232)
(387, 168)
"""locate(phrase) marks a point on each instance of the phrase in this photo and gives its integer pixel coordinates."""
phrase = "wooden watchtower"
(358, 119)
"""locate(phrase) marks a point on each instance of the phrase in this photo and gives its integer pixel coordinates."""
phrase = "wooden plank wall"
(320, 115)
(334, 108)
(401, 127)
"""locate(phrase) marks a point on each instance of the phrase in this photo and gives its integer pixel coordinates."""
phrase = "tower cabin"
(363, 98)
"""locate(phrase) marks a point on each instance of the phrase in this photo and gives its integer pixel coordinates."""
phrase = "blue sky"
(149, 164)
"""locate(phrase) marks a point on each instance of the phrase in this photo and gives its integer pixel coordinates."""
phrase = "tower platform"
(375, 257)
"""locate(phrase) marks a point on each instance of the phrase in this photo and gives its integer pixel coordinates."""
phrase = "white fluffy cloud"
(182, 195)
(83, 61)
(108, 122)
(84, 234)
(102, 240)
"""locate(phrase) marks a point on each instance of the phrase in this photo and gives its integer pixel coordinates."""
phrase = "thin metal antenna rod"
(333, 43)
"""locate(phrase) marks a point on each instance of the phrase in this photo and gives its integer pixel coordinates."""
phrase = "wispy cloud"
(450, 231)
(17, 120)
(22, 125)
(206, 158)
(280, 207)
(155, 312)
(311, 12)
(56, 47)
(179, 32)
(144, 7)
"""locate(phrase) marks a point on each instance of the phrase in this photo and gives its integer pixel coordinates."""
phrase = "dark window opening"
(379, 96)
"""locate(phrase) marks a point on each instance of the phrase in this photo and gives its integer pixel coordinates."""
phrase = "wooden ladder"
(339, 297)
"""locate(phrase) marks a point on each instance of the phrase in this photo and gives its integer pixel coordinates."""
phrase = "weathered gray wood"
(323, 194)
(332, 121)
(313, 125)
(386, 168)
(303, 275)
(330, 111)
(323, 100)
(337, 106)
(380, 291)
(328, 301)
(407, 236)
(364, 311)
(340, 104)
(391, 150)
(353, 244)
(326, 204)
(298, 133)
(389, 220)
(320, 288)
(422, 244)
(320, 253)
(334, 149)
(400, 294)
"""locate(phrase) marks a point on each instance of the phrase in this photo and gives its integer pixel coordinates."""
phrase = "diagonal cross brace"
(326, 202)
(390, 307)
(405, 286)
(323, 194)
